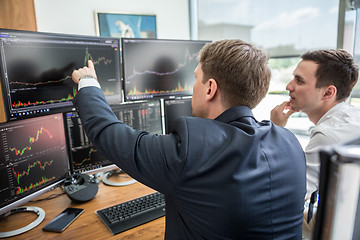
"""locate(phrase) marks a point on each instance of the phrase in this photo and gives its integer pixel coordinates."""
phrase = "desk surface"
(88, 225)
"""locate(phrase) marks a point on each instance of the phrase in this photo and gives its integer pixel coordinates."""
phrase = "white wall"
(77, 16)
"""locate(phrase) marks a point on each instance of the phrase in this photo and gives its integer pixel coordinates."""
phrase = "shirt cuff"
(88, 82)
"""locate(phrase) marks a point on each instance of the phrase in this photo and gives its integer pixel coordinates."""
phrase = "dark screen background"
(174, 109)
(159, 68)
(37, 70)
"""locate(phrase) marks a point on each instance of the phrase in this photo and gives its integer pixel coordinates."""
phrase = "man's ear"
(330, 92)
(212, 89)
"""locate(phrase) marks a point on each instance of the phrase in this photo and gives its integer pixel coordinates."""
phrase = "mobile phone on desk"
(63, 220)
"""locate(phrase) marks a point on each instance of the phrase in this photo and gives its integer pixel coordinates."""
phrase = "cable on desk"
(52, 196)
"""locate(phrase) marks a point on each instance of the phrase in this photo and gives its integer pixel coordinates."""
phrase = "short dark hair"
(240, 70)
(335, 67)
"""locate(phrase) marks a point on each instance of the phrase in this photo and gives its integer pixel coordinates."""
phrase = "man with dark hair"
(224, 174)
(322, 81)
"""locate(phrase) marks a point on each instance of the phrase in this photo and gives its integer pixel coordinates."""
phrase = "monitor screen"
(84, 156)
(36, 68)
(154, 68)
(145, 116)
(174, 108)
(33, 159)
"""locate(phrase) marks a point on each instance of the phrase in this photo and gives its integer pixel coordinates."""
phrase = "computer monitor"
(174, 108)
(145, 115)
(84, 156)
(33, 159)
(157, 68)
(36, 68)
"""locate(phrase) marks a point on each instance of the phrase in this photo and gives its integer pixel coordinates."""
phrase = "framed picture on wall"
(119, 25)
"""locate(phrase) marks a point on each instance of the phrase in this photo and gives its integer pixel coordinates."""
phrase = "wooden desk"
(88, 226)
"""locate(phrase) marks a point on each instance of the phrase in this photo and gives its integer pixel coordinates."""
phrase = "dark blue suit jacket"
(228, 178)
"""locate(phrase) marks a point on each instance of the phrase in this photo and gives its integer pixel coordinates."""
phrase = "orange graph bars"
(179, 88)
(107, 92)
(68, 98)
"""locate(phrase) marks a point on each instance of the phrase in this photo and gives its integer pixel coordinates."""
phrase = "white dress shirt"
(341, 123)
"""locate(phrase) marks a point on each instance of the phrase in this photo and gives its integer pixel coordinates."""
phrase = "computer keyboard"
(126, 215)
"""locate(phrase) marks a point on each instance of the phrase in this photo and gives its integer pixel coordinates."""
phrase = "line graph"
(188, 57)
(18, 175)
(88, 56)
(86, 158)
(165, 68)
(39, 74)
(92, 150)
(40, 83)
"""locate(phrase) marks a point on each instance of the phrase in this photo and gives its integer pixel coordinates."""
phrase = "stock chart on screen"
(36, 70)
(142, 115)
(83, 155)
(157, 68)
(33, 155)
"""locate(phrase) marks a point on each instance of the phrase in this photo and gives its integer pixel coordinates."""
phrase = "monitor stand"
(39, 211)
(107, 175)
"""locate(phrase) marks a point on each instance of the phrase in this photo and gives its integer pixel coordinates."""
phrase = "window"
(280, 27)
(355, 96)
(284, 30)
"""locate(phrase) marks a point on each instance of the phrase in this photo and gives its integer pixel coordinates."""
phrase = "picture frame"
(122, 25)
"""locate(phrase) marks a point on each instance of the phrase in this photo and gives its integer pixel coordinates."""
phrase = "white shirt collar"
(340, 105)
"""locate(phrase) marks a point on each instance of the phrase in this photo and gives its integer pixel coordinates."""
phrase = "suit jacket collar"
(235, 113)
